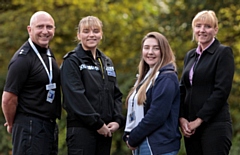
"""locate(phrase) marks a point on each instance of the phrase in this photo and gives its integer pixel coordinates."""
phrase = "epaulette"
(68, 54)
(23, 51)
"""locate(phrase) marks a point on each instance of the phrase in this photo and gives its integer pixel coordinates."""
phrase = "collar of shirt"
(198, 50)
(40, 49)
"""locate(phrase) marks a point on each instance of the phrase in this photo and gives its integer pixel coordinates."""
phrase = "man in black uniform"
(31, 100)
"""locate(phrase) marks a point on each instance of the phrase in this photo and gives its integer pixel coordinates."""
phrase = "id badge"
(50, 96)
(132, 116)
(51, 86)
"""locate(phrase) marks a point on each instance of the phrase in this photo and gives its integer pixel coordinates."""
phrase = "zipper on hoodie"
(30, 131)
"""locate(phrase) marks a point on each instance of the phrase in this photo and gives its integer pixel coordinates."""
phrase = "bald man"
(31, 100)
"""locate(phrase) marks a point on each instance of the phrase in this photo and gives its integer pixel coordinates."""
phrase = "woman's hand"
(195, 124)
(130, 147)
(185, 128)
(104, 130)
(113, 126)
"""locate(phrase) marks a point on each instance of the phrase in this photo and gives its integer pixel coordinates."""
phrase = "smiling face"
(90, 37)
(90, 32)
(205, 27)
(204, 33)
(41, 29)
(151, 51)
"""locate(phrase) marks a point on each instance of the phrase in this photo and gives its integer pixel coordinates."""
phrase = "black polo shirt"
(27, 78)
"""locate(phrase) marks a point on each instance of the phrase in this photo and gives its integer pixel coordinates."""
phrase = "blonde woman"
(92, 98)
(205, 86)
(153, 103)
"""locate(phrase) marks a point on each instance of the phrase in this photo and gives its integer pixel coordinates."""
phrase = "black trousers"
(210, 139)
(34, 136)
(82, 141)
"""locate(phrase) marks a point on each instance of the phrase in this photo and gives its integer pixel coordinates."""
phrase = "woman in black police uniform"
(92, 98)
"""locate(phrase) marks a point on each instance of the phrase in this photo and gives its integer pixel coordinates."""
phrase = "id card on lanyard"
(50, 86)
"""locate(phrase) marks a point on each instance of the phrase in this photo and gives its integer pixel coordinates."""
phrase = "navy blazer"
(207, 97)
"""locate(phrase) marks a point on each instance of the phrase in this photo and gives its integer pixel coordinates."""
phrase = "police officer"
(31, 100)
(92, 98)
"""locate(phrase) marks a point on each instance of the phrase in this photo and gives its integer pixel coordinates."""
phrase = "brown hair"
(167, 57)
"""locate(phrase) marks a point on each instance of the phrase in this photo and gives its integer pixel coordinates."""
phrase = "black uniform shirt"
(27, 78)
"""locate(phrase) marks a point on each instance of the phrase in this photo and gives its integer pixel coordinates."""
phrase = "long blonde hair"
(166, 57)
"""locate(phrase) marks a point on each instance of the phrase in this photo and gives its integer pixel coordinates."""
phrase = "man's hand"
(9, 128)
(9, 106)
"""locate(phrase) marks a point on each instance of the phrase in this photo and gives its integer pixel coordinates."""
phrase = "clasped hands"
(188, 128)
(107, 130)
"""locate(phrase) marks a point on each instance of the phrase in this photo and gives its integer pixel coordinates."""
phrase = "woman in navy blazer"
(205, 86)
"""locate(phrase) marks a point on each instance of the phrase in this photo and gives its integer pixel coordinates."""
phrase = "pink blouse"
(199, 52)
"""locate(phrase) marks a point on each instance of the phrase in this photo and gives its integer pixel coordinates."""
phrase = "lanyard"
(100, 61)
(138, 87)
(49, 73)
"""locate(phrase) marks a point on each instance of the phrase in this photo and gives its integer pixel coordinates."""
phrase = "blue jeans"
(171, 153)
(144, 149)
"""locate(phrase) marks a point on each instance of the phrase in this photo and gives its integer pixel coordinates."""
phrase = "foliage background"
(125, 23)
